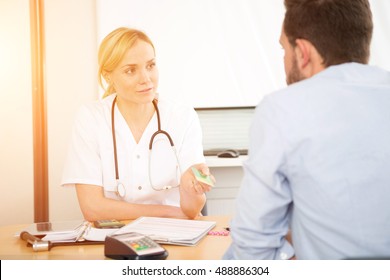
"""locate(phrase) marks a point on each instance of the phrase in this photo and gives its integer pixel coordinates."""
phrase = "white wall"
(71, 47)
(210, 53)
(71, 61)
(381, 35)
(16, 158)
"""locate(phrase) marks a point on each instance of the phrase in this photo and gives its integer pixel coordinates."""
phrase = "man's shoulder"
(331, 77)
(292, 93)
(297, 97)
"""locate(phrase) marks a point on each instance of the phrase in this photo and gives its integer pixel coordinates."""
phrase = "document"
(169, 231)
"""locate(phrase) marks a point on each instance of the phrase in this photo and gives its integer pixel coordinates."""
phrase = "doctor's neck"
(135, 111)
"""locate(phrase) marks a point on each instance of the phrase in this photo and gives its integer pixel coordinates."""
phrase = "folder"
(68, 232)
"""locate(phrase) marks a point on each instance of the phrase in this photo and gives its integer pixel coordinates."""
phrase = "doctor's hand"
(191, 185)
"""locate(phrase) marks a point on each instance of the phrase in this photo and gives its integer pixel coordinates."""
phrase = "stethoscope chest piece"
(120, 190)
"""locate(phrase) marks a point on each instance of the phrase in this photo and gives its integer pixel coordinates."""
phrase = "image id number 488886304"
(254, 270)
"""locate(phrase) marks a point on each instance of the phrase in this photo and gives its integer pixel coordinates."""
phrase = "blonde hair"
(112, 50)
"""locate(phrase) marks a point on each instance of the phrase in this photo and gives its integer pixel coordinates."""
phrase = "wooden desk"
(209, 248)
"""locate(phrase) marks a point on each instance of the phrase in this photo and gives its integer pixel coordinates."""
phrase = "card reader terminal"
(133, 246)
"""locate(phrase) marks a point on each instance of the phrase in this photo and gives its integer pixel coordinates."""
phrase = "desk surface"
(209, 248)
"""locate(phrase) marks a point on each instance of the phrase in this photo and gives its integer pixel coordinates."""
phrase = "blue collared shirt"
(319, 164)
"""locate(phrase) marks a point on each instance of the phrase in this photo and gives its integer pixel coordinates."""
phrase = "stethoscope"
(120, 188)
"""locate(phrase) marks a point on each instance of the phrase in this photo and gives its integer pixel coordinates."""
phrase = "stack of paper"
(169, 231)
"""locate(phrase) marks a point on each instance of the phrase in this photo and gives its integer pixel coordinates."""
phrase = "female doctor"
(131, 152)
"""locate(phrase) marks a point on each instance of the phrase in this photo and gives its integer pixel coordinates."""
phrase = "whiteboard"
(210, 53)
(219, 53)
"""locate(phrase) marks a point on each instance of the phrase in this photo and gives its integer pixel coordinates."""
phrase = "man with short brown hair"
(319, 155)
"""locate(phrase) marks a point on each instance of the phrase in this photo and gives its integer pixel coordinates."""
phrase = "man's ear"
(303, 52)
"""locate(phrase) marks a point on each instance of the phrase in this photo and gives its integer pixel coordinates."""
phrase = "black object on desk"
(214, 152)
(133, 246)
(231, 153)
(111, 223)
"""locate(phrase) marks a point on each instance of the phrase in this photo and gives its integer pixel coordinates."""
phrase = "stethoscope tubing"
(121, 191)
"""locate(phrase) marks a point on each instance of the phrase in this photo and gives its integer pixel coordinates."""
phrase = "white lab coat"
(91, 158)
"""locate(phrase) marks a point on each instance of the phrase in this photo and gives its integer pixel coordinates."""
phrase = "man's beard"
(294, 75)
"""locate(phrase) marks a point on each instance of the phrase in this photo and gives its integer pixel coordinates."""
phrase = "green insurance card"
(202, 178)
